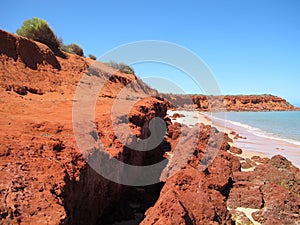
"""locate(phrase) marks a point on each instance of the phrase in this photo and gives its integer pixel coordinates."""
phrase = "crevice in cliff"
(226, 190)
(262, 198)
(86, 197)
(188, 220)
(132, 205)
(92, 199)
(135, 201)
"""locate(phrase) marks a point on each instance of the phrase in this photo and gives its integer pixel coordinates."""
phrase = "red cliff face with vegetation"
(231, 102)
(46, 180)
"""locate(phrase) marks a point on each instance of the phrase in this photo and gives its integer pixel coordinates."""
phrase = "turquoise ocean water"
(276, 125)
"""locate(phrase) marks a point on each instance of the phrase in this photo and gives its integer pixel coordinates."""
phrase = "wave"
(262, 133)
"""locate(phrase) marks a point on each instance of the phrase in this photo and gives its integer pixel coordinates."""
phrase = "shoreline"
(251, 144)
(265, 146)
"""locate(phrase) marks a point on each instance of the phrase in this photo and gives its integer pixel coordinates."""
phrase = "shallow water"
(277, 125)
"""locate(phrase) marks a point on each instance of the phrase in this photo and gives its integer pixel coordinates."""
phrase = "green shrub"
(72, 48)
(92, 57)
(121, 67)
(39, 30)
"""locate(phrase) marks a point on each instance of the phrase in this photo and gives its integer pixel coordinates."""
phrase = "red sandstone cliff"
(44, 178)
(231, 102)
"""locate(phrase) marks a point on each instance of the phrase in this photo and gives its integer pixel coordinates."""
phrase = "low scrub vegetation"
(39, 30)
(121, 67)
(92, 57)
(73, 48)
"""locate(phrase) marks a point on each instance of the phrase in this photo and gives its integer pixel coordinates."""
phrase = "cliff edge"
(231, 102)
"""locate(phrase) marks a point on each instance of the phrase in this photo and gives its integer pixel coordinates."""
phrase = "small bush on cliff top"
(39, 30)
(73, 48)
(121, 66)
(91, 56)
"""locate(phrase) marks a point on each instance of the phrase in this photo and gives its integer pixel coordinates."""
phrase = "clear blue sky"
(252, 47)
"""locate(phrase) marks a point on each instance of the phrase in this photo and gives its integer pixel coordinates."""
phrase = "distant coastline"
(248, 103)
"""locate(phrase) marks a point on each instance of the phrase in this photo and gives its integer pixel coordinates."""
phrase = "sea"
(268, 133)
(283, 126)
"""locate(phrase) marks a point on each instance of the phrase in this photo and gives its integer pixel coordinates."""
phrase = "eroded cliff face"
(231, 102)
(44, 177)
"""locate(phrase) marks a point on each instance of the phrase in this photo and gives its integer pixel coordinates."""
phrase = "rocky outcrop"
(188, 199)
(231, 102)
(272, 189)
(196, 194)
(222, 193)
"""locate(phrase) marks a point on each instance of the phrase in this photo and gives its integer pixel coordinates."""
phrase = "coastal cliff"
(230, 102)
(45, 177)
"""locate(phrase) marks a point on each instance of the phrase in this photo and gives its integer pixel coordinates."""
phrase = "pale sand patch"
(248, 170)
(248, 212)
(190, 118)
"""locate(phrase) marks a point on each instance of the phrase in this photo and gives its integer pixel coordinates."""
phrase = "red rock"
(177, 115)
(258, 159)
(174, 131)
(199, 197)
(280, 205)
(186, 199)
(273, 186)
(221, 170)
(235, 150)
(245, 194)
